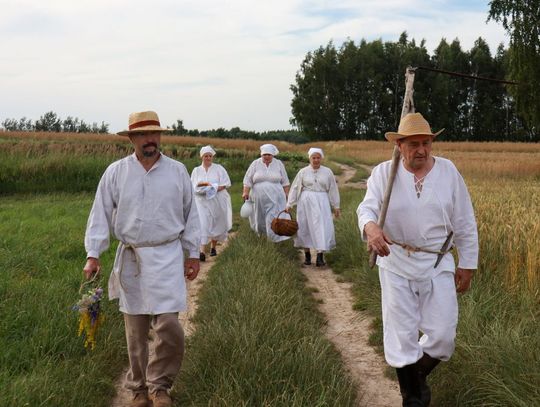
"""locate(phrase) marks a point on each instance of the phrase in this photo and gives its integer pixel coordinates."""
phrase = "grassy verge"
(496, 362)
(258, 339)
(42, 361)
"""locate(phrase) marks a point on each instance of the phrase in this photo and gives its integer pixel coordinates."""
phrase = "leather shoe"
(307, 260)
(139, 400)
(161, 399)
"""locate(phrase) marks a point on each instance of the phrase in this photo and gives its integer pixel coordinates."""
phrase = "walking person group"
(164, 218)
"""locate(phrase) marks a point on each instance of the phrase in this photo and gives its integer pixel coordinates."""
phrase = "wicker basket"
(284, 227)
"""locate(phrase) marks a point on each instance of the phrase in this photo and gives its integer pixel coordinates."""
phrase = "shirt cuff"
(92, 253)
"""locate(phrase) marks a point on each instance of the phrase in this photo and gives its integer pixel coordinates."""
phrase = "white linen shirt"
(320, 180)
(444, 205)
(155, 211)
(258, 171)
(215, 174)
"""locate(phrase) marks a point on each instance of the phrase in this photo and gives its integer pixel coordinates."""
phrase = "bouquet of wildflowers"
(90, 315)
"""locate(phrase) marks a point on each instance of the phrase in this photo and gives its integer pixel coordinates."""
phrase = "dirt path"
(349, 330)
(123, 396)
(347, 173)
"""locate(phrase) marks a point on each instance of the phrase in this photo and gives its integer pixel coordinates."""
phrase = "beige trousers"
(153, 367)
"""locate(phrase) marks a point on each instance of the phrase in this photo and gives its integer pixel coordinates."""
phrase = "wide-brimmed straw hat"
(141, 122)
(413, 124)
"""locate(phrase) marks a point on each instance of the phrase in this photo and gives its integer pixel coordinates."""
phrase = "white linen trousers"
(410, 306)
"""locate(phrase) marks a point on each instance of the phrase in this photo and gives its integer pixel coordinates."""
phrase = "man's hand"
(191, 268)
(337, 213)
(463, 279)
(91, 268)
(377, 241)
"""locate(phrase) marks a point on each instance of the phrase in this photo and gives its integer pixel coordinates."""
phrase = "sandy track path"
(349, 330)
(123, 396)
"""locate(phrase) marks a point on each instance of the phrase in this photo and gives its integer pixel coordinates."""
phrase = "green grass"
(497, 358)
(258, 339)
(43, 362)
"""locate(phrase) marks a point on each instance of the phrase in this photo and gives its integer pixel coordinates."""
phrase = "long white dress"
(266, 183)
(215, 210)
(315, 192)
(154, 216)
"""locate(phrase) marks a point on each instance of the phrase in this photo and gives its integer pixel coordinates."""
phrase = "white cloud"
(209, 62)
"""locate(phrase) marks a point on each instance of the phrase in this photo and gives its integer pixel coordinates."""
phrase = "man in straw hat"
(428, 207)
(147, 201)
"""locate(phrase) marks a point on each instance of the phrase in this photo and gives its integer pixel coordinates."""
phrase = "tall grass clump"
(258, 339)
(42, 361)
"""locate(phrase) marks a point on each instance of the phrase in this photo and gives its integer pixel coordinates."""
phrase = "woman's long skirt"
(269, 200)
(215, 216)
(315, 222)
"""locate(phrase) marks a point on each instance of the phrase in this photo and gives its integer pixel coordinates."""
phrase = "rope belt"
(133, 247)
(411, 249)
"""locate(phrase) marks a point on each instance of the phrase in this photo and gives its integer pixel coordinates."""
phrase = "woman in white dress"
(315, 191)
(266, 183)
(210, 182)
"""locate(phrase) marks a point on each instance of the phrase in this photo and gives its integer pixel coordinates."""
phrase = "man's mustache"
(150, 144)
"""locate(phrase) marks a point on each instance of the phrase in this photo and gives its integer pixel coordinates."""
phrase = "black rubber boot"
(307, 255)
(424, 367)
(320, 260)
(213, 252)
(409, 385)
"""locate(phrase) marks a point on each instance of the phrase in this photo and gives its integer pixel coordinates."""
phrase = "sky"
(210, 63)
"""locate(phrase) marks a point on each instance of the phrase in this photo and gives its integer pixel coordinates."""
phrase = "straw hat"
(413, 124)
(141, 122)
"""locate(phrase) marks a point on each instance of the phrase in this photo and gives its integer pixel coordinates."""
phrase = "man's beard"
(152, 152)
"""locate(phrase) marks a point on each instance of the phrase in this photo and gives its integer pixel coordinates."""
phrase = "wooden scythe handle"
(408, 107)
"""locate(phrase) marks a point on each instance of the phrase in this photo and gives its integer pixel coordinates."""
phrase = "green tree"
(316, 102)
(49, 122)
(178, 128)
(521, 19)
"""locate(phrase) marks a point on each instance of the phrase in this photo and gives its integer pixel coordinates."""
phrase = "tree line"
(51, 122)
(356, 91)
(292, 135)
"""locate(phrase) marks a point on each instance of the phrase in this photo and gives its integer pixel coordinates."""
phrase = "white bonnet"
(207, 149)
(315, 150)
(269, 149)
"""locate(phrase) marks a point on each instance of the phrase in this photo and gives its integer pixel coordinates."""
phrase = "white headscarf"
(315, 150)
(269, 149)
(207, 149)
